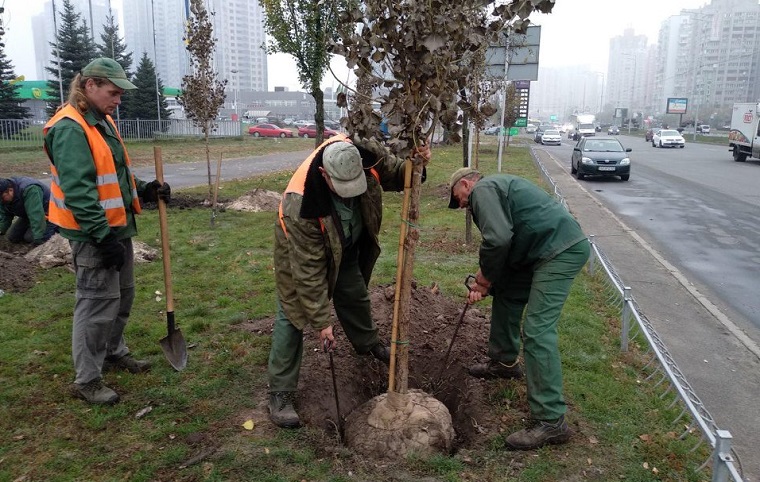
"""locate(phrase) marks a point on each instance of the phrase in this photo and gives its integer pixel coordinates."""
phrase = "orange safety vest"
(298, 181)
(107, 181)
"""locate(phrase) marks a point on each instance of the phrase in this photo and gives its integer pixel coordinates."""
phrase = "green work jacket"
(520, 223)
(69, 151)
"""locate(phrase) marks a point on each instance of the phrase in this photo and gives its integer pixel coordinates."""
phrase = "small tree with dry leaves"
(202, 91)
(413, 54)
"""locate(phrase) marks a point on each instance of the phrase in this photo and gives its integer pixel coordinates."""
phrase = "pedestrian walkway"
(721, 366)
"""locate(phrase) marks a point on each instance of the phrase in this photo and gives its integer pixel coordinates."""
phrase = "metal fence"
(661, 364)
(24, 133)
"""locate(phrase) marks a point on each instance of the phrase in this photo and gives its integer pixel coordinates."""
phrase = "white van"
(704, 129)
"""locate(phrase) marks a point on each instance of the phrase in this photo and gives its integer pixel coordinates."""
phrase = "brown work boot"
(126, 362)
(539, 434)
(382, 353)
(281, 410)
(94, 392)
(495, 369)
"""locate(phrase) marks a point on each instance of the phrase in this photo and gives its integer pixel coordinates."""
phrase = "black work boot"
(382, 353)
(94, 392)
(495, 369)
(541, 432)
(281, 410)
(126, 362)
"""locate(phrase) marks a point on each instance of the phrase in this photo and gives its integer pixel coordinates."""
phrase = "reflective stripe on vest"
(106, 180)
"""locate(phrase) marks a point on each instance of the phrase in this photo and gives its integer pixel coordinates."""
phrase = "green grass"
(222, 277)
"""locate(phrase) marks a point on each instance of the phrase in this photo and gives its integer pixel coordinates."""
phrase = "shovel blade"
(175, 349)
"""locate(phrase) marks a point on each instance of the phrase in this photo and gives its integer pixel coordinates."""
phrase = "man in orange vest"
(326, 245)
(93, 200)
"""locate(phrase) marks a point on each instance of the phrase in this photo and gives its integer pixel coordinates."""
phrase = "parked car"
(530, 129)
(288, 121)
(269, 130)
(704, 129)
(539, 133)
(600, 156)
(551, 136)
(668, 138)
(492, 131)
(650, 133)
(302, 123)
(613, 130)
(311, 131)
(332, 125)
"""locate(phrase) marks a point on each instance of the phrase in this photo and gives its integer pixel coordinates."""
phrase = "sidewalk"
(722, 367)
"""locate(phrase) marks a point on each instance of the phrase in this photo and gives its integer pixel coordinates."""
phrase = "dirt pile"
(256, 201)
(361, 378)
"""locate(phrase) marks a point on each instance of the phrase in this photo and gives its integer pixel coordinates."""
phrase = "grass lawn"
(223, 277)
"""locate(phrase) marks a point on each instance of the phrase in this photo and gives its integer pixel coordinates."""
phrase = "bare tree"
(202, 91)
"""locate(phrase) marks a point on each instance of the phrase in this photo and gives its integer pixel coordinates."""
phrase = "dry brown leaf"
(593, 440)
(646, 437)
(588, 461)
(645, 465)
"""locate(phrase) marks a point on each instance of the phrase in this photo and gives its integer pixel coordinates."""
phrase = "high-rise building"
(93, 13)
(166, 49)
(565, 91)
(626, 71)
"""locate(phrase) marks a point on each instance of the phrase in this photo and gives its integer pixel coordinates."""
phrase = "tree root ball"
(393, 425)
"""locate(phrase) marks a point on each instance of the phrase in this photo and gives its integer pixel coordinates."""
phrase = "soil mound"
(361, 377)
(256, 201)
(17, 274)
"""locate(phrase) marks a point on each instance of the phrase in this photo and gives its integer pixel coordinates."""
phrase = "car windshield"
(551, 133)
(669, 133)
(603, 146)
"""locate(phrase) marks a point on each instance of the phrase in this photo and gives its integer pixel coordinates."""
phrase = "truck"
(584, 126)
(744, 136)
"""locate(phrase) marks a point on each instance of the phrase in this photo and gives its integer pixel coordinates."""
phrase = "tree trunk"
(208, 160)
(399, 369)
(319, 114)
(466, 163)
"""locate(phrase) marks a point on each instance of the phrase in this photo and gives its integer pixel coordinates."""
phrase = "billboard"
(676, 105)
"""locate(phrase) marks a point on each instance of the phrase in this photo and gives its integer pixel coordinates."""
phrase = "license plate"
(606, 168)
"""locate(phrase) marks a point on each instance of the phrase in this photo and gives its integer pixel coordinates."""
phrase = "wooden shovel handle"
(164, 235)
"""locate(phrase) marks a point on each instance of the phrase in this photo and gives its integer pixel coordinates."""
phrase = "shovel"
(173, 344)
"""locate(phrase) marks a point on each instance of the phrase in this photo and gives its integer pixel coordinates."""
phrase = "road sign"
(553, 117)
(513, 131)
(523, 122)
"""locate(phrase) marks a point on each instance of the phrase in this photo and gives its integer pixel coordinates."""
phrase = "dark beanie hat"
(5, 184)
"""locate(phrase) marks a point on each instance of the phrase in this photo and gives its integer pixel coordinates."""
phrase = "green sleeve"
(70, 153)
(389, 167)
(6, 218)
(309, 265)
(35, 211)
(496, 229)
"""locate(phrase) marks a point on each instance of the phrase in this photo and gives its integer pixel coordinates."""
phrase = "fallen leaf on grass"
(40, 353)
(646, 437)
(266, 450)
(655, 471)
(248, 425)
(645, 465)
(593, 440)
(588, 461)
(143, 412)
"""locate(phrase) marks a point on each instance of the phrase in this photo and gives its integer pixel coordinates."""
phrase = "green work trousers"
(352, 307)
(540, 293)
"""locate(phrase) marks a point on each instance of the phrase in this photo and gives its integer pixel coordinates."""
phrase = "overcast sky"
(577, 32)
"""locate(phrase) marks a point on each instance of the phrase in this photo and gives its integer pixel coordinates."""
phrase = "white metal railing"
(723, 457)
(25, 133)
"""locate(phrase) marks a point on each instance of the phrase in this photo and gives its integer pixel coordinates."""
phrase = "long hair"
(77, 96)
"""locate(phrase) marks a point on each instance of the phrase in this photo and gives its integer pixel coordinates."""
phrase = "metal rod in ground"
(327, 346)
(451, 344)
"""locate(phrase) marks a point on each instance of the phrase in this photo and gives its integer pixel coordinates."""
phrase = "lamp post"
(633, 89)
(236, 87)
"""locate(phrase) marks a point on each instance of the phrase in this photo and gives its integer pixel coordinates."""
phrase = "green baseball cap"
(108, 69)
(343, 164)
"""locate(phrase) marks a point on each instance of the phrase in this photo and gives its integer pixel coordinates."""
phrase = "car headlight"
(625, 162)
(586, 160)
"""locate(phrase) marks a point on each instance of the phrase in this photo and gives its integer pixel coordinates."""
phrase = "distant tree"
(141, 102)
(202, 91)
(304, 29)
(10, 106)
(112, 46)
(75, 50)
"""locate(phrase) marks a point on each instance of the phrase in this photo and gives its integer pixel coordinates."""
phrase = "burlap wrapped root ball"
(392, 425)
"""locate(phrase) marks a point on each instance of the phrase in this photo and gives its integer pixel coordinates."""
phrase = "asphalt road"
(679, 233)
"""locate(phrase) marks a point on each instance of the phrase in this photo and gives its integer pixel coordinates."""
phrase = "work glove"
(112, 252)
(154, 191)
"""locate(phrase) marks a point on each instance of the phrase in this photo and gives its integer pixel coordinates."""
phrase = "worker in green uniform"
(94, 200)
(531, 251)
(326, 245)
(26, 199)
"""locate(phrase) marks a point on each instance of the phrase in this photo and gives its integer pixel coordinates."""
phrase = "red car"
(311, 131)
(269, 130)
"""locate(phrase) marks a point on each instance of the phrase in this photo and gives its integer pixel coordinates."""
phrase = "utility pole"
(155, 66)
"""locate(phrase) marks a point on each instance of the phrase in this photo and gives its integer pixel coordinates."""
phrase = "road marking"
(743, 338)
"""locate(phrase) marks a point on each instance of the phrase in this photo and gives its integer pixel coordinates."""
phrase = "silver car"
(668, 138)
